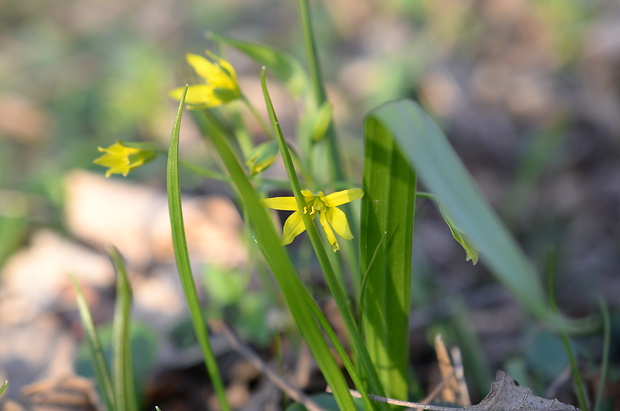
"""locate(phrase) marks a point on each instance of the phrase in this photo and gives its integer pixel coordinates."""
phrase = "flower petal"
(338, 220)
(203, 67)
(293, 226)
(343, 197)
(196, 94)
(328, 230)
(281, 203)
(223, 65)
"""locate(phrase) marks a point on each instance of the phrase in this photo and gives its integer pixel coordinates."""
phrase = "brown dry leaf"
(67, 393)
(135, 219)
(506, 395)
(449, 392)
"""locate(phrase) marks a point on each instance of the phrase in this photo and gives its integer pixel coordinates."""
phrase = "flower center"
(315, 205)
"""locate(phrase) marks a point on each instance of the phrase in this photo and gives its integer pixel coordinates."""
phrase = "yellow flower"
(121, 158)
(331, 218)
(221, 85)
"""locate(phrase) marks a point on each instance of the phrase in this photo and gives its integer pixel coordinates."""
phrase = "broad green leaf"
(429, 153)
(385, 257)
(181, 255)
(288, 70)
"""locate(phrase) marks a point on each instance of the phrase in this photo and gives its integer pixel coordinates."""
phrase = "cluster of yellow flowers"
(220, 87)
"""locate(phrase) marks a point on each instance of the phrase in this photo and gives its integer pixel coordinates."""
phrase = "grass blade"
(428, 151)
(386, 244)
(3, 387)
(100, 364)
(182, 259)
(122, 362)
(598, 403)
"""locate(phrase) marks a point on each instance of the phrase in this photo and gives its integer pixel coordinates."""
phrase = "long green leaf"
(295, 295)
(182, 259)
(386, 244)
(288, 70)
(100, 364)
(429, 153)
(122, 361)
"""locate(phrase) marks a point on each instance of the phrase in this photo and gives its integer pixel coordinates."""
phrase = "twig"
(409, 404)
(431, 396)
(459, 374)
(274, 377)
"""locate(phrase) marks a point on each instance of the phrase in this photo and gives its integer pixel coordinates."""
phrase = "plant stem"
(318, 88)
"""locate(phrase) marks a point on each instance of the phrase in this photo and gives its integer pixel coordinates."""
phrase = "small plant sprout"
(220, 87)
(331, 218)
(121, 157)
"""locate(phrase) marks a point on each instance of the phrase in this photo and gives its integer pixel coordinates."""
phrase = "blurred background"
(527, 91)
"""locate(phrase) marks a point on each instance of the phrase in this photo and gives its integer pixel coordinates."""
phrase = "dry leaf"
(507, 395)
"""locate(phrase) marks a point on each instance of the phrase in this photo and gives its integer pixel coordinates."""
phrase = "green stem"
(604, 355)
(257, 116)
(318, 87)
(568, 348)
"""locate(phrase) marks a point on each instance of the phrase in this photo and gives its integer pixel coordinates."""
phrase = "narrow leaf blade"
(122, 361)
(100, 365)
(181, 254)
(288, 70)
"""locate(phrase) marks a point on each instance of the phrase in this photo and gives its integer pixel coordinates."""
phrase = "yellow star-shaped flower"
(121, 158)
(220, 87)
(331, 218)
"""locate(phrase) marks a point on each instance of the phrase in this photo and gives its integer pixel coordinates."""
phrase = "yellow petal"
(343, 197)
(203, 67)
(330, 233)
(224, 65)
(197, 94)
(293, 226)
(281, 203)
(338, 220)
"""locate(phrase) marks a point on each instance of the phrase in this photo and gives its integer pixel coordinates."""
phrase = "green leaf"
(471, 251)
(385, 257)
(97, 354)
(122, 362)
(181, 255)
(429, 153)
(288, 70)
